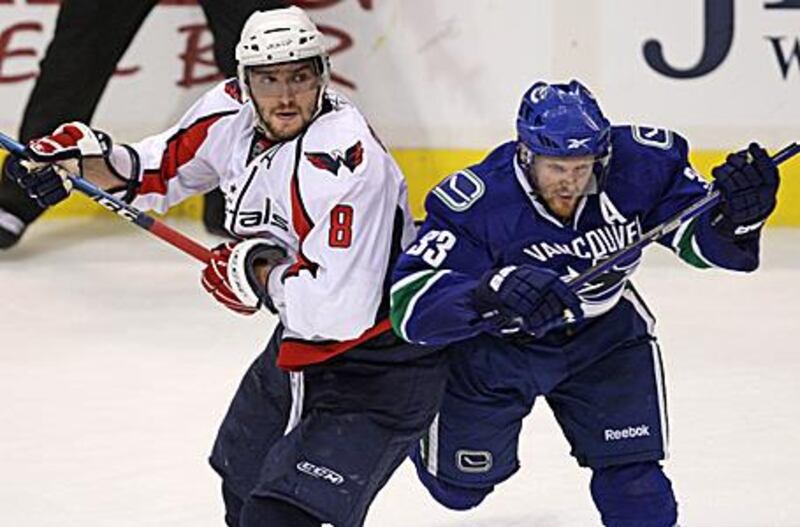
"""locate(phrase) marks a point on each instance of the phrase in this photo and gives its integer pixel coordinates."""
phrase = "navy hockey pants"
(604, 385)
(328, 440)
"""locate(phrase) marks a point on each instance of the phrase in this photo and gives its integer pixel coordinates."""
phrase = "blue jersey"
(488, 216)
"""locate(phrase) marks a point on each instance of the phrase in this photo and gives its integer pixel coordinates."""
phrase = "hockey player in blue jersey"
(489, 271)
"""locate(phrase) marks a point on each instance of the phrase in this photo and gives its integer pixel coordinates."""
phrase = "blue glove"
(525, 299)
(52, 158)
(47, 184)
(748, 187)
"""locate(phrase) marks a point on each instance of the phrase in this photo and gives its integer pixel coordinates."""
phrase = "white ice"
(116, 368)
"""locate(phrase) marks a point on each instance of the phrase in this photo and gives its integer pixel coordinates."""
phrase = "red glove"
(215, 280)
(230, 274)
(69, 141)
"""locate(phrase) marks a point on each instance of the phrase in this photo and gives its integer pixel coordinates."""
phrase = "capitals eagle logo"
(351, 158)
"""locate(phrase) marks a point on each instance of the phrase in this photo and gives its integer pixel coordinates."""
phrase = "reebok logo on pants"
(627, 433)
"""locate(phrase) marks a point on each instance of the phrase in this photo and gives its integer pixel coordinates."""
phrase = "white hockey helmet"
(278, 36)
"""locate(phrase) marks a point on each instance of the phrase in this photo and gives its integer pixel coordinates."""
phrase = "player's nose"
(286, 94)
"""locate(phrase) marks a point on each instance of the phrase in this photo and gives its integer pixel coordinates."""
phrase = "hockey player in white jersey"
(320, 211)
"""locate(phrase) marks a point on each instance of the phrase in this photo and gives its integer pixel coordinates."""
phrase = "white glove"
(67, 146)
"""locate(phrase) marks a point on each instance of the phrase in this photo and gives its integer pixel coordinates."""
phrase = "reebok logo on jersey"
(474, 461)
(323, 473)
(351, 158)
(631, 432)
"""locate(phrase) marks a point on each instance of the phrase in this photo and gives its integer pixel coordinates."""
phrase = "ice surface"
(116, 368)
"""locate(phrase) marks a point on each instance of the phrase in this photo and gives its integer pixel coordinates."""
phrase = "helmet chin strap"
(320, 96)
(261, 123)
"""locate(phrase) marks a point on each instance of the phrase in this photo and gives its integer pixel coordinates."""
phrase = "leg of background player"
(89, 39)
(225, 19)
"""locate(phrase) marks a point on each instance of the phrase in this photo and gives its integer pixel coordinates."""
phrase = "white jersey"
(332, 196)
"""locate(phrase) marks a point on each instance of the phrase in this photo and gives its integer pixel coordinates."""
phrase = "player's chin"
(563, 205)
(283, 129)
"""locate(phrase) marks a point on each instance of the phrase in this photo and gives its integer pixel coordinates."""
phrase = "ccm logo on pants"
(323, 473)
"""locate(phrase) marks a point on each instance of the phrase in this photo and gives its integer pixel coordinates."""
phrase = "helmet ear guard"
(563, 120)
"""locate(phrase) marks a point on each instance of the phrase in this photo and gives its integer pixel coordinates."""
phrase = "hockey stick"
(690, 212)
(122, 209)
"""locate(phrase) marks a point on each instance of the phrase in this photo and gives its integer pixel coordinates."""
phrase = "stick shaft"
(692, 211)
(125, 211)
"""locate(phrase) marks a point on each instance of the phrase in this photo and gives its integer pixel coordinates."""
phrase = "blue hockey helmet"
(562, 120)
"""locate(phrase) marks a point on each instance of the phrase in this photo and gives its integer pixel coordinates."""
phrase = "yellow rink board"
(424, 168)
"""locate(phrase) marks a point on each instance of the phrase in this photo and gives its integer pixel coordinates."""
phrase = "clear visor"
(562, 177)
(564, 185)
(283, 79)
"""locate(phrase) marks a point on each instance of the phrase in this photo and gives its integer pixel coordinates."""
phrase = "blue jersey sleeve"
(696, 242)
(434, 279)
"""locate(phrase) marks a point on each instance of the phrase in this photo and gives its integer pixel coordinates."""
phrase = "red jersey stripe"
(302, 224)
(181, 148)
(295, 354)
